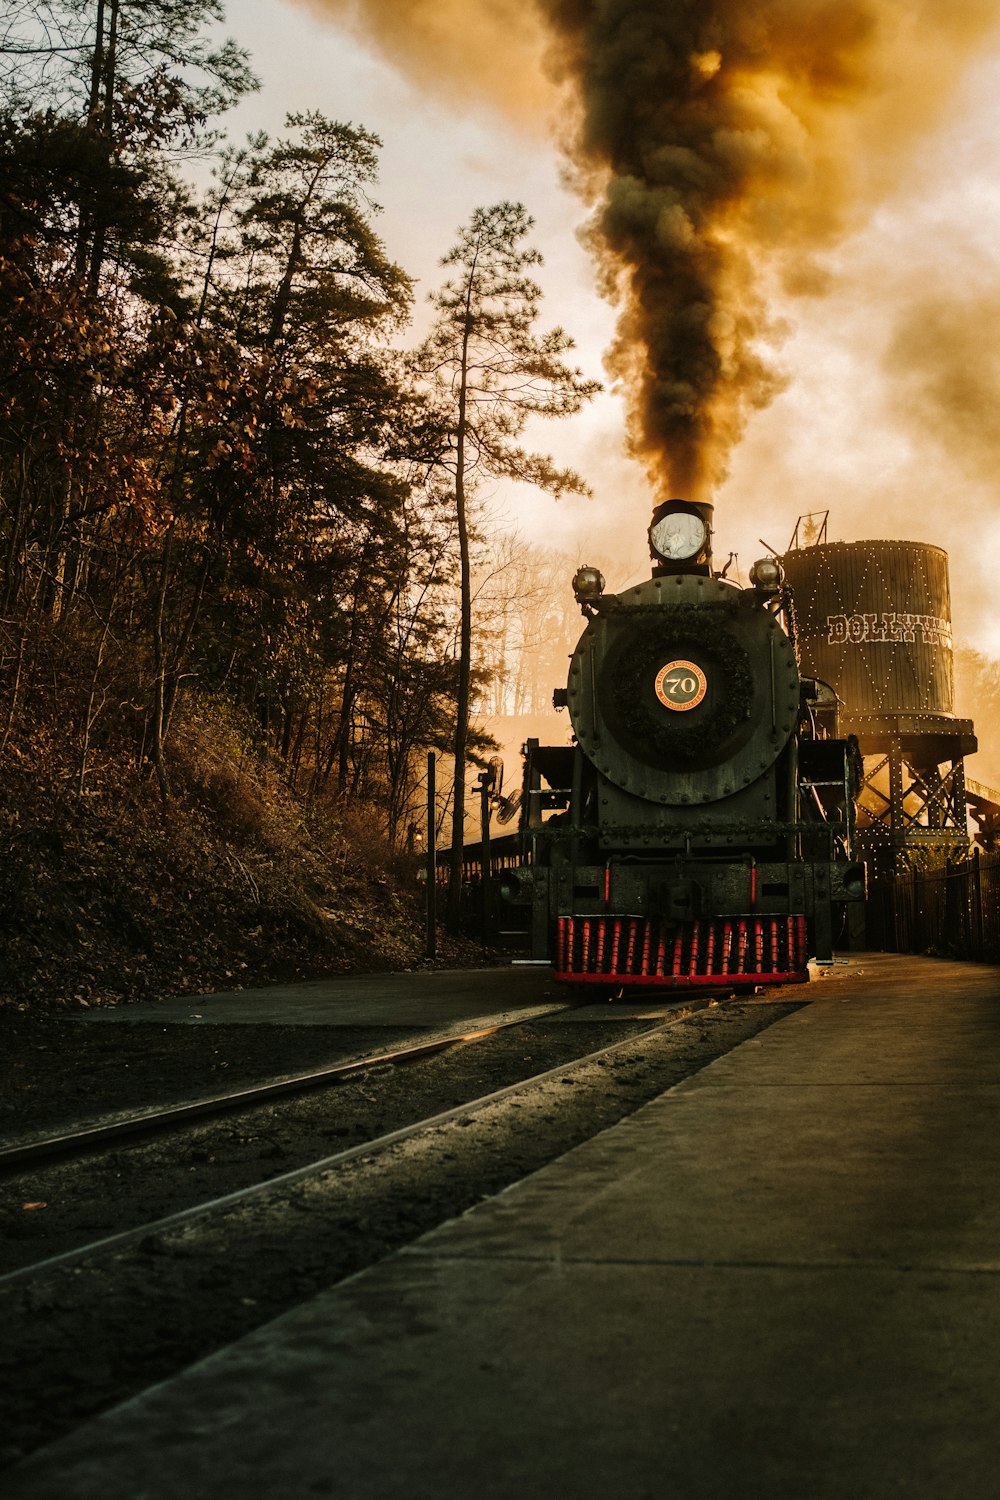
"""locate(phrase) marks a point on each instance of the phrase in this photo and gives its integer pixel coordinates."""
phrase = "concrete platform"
(423, 998)
(780, 1279)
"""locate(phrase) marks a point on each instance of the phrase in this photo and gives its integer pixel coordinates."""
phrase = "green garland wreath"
(707, 632)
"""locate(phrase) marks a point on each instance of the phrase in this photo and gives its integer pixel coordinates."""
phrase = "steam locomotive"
(699, 830)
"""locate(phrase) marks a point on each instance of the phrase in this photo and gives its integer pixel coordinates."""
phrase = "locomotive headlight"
(767, 575)
(588, 585)
(678, 536)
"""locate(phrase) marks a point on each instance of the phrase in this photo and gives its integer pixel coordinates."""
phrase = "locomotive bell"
(680, 537)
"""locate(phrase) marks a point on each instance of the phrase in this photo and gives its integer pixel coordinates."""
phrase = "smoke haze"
(723, 146)
(944, 367)
(466, 51)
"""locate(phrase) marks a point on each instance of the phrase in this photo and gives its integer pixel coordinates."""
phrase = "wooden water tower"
(873, 619)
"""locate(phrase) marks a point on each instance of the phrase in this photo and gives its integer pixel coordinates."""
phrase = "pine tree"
(488, 371)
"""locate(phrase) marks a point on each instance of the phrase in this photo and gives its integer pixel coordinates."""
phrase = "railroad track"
(145, 1123)
(154, 1121)
(109, 1317)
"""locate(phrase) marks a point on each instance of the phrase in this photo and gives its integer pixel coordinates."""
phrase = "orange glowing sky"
(890, 412)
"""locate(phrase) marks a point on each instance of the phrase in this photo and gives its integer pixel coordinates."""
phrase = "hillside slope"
(107, 897)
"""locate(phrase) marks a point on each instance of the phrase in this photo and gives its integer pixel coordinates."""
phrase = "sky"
(889, 415)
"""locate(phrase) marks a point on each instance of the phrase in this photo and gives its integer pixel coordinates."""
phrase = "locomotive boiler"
(699, 830)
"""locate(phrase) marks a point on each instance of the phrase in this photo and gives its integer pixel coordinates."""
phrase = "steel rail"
(148, 1122)
(187, 1216)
